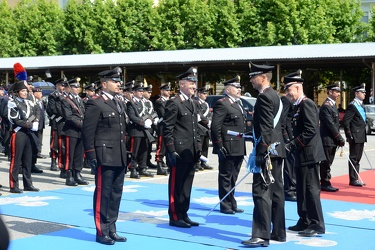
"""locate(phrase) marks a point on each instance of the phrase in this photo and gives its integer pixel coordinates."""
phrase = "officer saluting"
(355, 130)
(103, 135)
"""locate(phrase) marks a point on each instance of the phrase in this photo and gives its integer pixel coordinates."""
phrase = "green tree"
(227, 31)
(198, 24)
(8, 43)
(135, 24)
(346, 18)
(103, 25)
(39, 27)
(81, 28)
(168, 32)
(249, 22)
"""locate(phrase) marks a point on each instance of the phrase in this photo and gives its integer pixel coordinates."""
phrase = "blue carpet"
(143, 219)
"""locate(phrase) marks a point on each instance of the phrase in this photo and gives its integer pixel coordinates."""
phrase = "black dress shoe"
(79, 179)
(227, 211)
(151, 165)
(356, 183)
(105, 240)
(63, 174)
(144, 172)
(238, 210)
(206, 166)
(329, 189)
(134, 174)
(116, 237)
(35, 169)
(179, 223)
(308, 232)
(290, 197)
(256, 242)
(277, 238)
(16, 191)
(31, 188)
(297, 228)
(192, 223)
(41, 156)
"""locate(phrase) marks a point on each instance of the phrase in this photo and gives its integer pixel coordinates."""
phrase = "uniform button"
(104, 145)
(120, 124)
(122, 140)
(122, 132)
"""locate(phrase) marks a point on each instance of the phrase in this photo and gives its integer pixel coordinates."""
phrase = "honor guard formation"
(113, 129)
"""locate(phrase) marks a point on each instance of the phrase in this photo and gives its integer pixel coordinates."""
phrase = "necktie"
(117, 104)
(239, 104)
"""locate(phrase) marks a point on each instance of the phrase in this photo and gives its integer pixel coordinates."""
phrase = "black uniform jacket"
(160, 106)
(135, 111)
(73, 113)
(286, 119)
(181, 128)
(103, 132)
(265, 110)
(228, 115)
(306, 133)
(354, 125)
(52, 110)
(329, 124)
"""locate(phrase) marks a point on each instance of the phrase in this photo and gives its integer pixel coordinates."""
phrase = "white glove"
(156, 120)
(148, 123)
(35, 126)
(209, 123)
(199, 117)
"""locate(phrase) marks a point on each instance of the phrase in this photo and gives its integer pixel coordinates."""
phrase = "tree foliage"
(40, 27)
(8, 43)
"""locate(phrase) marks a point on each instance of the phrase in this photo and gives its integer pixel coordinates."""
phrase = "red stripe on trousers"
(158, 150)
(172, 204)
(13, 153)
(60, 151)
(67, 152)
(53, 152)
(98, 201)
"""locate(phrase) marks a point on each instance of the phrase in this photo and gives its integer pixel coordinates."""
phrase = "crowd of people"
(112, 130)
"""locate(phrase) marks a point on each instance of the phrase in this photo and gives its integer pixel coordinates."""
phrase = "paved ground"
(21, 227)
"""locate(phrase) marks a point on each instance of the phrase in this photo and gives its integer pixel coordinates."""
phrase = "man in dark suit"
(309, 152)
(354, 123)
(182, 142)
(289, 169)
(53, 114)
(205, 120)
(268, 196)
(73, 110)
(165, 92)
(138, 125)
(228, 115)
(330, 133)
(103, 136)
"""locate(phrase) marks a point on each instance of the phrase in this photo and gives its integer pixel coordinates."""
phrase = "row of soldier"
(182, 136)
(65, 109)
